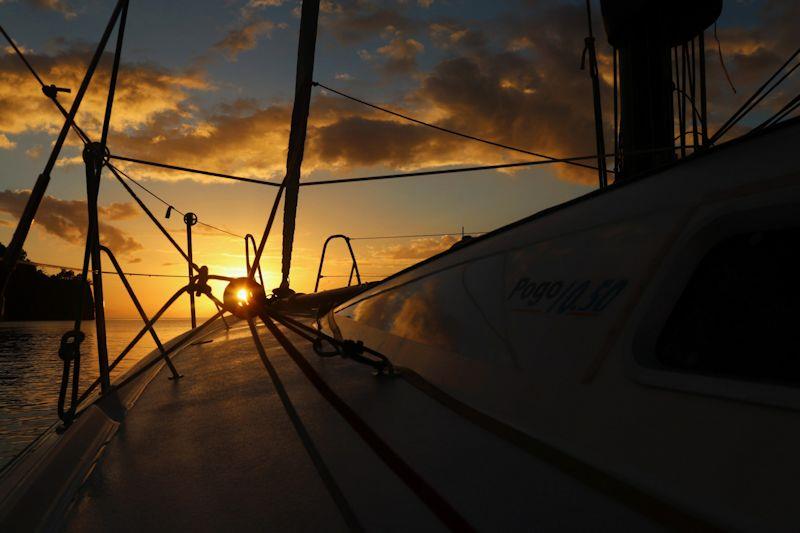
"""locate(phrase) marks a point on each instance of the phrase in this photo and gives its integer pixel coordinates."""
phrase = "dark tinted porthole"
(738, 316)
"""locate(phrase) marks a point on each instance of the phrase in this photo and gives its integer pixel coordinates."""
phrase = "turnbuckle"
(51, 91)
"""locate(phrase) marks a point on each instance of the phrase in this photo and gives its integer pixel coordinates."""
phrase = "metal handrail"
(353, 267)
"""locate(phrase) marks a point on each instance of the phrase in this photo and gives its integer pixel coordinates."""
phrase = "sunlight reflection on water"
(30, 371)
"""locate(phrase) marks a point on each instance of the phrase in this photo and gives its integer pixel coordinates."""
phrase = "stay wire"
(45, 88)
(447, 130)
(447, 171)
(64, 267)
(192, 170)
(758, 96)
(169, 205)
(415, 236)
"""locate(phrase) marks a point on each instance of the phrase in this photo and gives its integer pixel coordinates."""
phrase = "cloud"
(354, 21)
(34, 152)
(67, 220)
(144, 91)
(449, 34)
(6, 143)
(118, 211)
(260, 4)
(523, 89)
(245, 37)
(401, 55)
(59, 6)
(414, 250)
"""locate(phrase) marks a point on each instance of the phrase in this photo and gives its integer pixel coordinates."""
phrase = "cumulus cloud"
(401, 55)
(34, 152)
(6, 143)
(245, 37)
(60, 6)
(143, 92)
(67, 219)
(354, 21)
(449, 34)
(524, 90)
(413, 250)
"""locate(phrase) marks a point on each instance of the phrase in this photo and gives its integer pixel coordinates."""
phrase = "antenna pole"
(297, 137)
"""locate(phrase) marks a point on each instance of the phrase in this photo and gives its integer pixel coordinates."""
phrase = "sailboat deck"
(217, 450)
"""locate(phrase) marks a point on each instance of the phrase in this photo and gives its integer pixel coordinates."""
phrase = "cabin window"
(738, 317)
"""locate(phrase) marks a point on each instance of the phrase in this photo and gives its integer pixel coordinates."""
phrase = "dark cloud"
(60, 6)
(67, 219)
(450, 34)
(354, 21)
(245, 37)
(400, 55)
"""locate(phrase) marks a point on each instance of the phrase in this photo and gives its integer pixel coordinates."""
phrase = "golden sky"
(209, 85)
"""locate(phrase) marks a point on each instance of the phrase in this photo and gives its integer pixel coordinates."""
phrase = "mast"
(297, 137)
(644, 33)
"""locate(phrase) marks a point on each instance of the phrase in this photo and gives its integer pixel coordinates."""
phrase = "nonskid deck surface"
(216, 450)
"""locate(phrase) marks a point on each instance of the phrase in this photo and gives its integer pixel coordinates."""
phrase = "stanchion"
(190, 219)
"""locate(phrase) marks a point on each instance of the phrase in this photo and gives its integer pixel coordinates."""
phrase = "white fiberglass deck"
(216, 450)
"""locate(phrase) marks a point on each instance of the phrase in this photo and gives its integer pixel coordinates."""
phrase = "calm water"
(30, 371)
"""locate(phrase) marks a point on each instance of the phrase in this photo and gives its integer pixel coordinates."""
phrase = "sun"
(243, 295)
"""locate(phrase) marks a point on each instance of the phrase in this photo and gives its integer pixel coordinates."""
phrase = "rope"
(449, 171)
(362, 275)
(193, 170)
(452, 132)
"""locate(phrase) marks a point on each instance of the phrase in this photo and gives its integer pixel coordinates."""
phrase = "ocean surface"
(30, 371)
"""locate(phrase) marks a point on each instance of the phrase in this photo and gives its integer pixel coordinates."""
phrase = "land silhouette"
(33, 295)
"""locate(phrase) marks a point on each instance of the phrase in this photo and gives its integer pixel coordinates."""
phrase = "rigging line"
(49, 90)
(782, 113)
(63, 267)
(362, 275)
(112, 85)
(756, 98)
(22, 57)
(160, 199)
(447, 171)
(193, 170)
(451, 132)
(415, 236)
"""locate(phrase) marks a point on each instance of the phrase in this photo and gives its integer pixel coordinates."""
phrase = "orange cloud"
(67, 219)
(144, 91)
